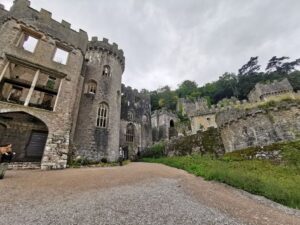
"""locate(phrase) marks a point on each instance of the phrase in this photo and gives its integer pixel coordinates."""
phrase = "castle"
(61, 95)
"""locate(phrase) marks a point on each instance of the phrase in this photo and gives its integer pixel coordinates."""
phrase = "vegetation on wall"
(230, 85)
(277, 179)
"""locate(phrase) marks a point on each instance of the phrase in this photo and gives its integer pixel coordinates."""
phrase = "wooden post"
(36, 76)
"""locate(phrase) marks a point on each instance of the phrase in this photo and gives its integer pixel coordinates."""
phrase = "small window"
(106, 71)
(29, 42)
(145, 119)
(130, 116)
(102, 116)
(61, 56)
(130, 133)
(92, 87)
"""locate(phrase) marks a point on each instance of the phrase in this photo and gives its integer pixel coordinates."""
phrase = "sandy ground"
(138, 193)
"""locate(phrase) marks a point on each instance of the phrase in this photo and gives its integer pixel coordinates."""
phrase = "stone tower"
(97, 130)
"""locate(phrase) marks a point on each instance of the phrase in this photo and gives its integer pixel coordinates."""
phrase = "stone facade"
(263, 92)
(98, 124)
(58, 86)
(259, 126)
(135, 115)
(163, 125)
(189, 107)
(32, 82)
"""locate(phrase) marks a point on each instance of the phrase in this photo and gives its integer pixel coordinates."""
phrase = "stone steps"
(24, 165)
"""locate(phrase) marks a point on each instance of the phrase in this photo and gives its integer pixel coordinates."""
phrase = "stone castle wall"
(59, 121)
(259, 126)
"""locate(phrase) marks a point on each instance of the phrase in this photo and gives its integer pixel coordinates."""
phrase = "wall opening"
(27, 134)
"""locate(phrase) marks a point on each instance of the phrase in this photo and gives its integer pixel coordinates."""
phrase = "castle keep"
(60, 94)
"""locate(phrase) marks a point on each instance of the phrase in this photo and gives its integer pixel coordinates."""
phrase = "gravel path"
(138, 193)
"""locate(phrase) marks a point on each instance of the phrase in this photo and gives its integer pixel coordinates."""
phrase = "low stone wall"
(203, 142)
(259, 126)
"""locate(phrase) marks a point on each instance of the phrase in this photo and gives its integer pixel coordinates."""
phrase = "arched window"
(106, 71)
(92, 87)
(102, 115)
(145, 119)
(130, 116)
(130, 133)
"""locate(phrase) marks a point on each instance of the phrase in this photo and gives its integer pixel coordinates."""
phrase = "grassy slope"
(278, 181)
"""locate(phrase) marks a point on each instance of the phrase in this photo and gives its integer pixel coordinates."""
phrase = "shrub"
(155, 151)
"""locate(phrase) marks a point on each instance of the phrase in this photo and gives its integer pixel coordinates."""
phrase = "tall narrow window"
(130, 133)
(102, 116)
(106, 71)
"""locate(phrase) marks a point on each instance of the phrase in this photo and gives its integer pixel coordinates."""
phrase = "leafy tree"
(275, 64)
(186, 89)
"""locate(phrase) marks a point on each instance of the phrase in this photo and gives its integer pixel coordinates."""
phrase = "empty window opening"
(29, 43)
(51, 82)
(130, 133)
(15, 94)
(92, 87)
(61, 56)
(102, 116)
(106, 71)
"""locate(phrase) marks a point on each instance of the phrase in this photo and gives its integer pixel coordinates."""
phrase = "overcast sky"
(168, 41)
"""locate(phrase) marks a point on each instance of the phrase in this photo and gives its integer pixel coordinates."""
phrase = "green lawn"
(276, 180)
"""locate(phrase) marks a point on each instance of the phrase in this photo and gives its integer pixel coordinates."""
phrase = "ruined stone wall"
(136, 145)
(161, 125)
(136, 107)
(202, 122)
(203, 142)
(94, 142)
(259, 126)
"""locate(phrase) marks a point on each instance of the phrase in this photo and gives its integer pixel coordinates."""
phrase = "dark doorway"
(26, 133)
(126, 155)
(172, 123)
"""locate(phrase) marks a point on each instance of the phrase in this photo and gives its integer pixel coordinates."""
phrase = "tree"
(186, 88)
(250, 67)
(275, 64)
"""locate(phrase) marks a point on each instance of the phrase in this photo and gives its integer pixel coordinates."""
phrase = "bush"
(155, 151)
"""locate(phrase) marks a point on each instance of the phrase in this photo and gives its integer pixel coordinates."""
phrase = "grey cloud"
(166, 42)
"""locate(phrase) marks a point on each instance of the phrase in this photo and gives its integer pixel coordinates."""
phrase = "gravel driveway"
(138, 193)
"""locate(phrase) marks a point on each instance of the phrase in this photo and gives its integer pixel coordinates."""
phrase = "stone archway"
(26, 133)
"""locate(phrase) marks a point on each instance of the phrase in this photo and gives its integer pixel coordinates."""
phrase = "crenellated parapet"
(230, 114)
(42, 21)
(105, 46)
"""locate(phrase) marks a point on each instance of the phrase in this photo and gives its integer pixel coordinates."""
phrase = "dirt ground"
(150, 193)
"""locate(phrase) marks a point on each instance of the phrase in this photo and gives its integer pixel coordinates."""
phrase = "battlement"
(42, 20)
(230, 115)
(104, 45)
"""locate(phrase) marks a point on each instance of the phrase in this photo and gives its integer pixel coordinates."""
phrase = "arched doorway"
(26, 133)
(172, 123)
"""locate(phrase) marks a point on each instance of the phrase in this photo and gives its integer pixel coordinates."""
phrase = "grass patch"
(279, 182)
(83, 162)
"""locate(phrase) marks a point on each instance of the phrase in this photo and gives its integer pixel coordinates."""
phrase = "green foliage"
(155, 151)
(229, 84)
(84, 162)
(277, 181)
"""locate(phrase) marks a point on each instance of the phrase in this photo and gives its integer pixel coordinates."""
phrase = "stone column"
(4, 70)
(36, 76)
